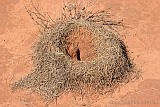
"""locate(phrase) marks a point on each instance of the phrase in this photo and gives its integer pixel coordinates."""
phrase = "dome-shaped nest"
(77, 56)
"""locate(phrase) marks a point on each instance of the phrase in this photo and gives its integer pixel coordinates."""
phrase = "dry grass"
(55, 72)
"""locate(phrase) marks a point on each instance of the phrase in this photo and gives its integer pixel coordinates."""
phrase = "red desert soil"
(18, 33)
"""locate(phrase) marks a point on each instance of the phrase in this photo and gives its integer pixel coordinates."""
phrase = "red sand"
(18, 33)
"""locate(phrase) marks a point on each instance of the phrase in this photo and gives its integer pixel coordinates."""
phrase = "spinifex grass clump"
(56, 72)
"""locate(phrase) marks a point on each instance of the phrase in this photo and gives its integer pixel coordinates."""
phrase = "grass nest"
(56, 73)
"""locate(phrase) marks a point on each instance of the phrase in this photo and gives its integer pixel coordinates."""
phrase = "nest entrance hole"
(78, 55)
(81, 45)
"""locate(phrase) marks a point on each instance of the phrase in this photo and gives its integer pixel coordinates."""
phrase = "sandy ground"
(18, 33)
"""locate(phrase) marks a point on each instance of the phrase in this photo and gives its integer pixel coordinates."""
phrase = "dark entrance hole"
(78, 55)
